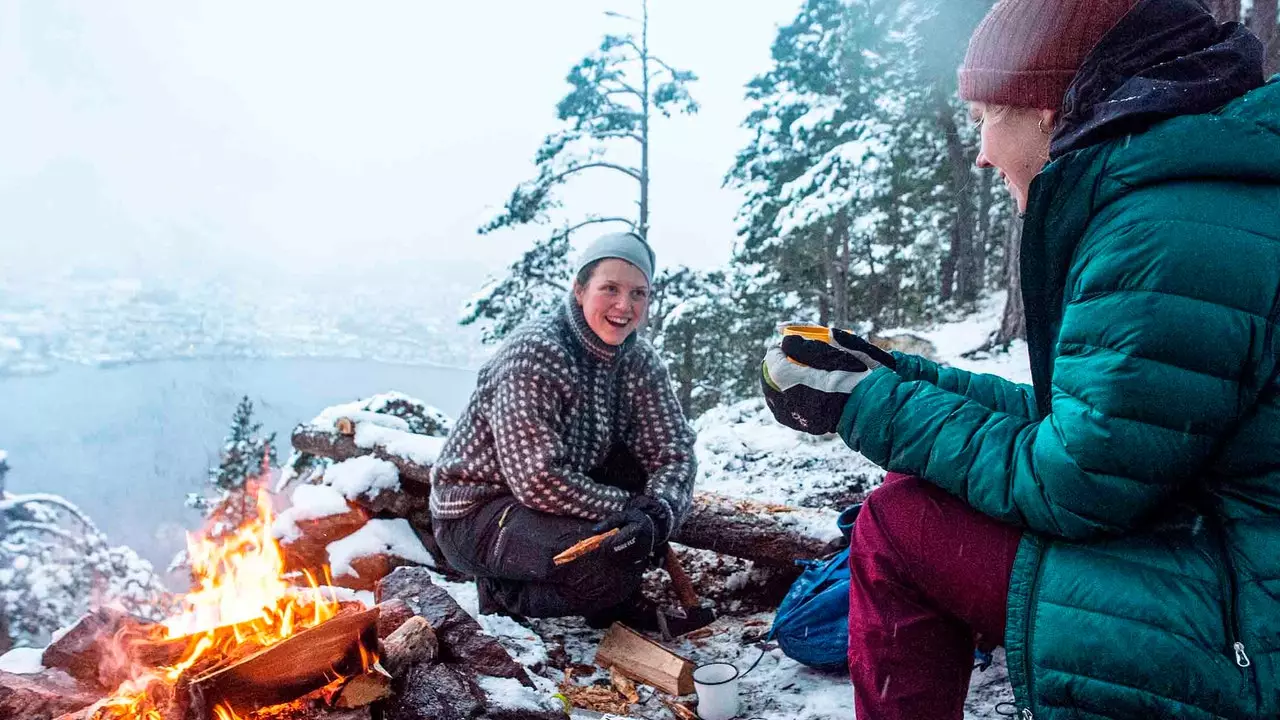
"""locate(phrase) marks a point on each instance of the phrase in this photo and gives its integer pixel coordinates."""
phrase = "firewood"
(643, 660)
(345, 426)
(361, 690)
(414, 641)
(295, 666)
(583, 547)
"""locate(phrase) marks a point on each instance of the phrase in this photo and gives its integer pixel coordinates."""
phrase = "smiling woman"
(573, 431)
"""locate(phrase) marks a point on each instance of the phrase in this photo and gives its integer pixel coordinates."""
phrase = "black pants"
(509, 549)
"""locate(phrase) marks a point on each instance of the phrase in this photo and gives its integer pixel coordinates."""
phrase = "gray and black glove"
(808, 382)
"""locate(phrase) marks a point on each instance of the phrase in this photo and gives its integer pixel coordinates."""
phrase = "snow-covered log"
(770, 534)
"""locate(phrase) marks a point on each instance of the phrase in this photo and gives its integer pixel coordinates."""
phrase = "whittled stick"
(586, 546)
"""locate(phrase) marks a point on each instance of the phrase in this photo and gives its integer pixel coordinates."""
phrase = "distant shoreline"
(55, 365)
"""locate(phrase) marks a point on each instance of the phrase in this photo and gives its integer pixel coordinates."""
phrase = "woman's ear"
(578, 290)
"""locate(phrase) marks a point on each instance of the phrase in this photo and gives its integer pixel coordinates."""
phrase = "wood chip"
(623, 685)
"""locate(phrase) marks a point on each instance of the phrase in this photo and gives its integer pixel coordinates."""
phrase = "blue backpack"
(812, 623)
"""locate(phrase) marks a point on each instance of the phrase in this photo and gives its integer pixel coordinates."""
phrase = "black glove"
(637, 535)
(807, 382)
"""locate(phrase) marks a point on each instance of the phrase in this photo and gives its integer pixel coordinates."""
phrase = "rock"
(43, 696)
(85, 650)
(461, 638)
(431, 691)
(392, 615)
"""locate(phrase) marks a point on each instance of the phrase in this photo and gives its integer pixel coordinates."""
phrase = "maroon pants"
(930, 577)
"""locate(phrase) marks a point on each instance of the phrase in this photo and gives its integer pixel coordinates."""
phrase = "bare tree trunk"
(643, 228)
(1014, 323)
(984, 244)
(1262, 21)
(840, 270)
(958, 267)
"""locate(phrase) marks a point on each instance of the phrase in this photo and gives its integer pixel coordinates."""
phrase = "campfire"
(245, 637)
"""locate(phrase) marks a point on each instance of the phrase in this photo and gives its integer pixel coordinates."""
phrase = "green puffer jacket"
(1145, 463)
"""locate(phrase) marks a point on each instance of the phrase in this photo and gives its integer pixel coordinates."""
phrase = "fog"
(306, 141)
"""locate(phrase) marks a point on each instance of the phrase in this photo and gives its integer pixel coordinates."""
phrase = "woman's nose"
(983, 162)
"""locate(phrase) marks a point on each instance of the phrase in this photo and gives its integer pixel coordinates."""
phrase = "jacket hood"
(1165, 58)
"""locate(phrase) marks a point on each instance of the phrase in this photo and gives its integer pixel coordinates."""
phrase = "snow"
(509, 695)
(393, 537)
(418, 449)
(362, 476)
(22, 661)
(3, 456)
(309, 502)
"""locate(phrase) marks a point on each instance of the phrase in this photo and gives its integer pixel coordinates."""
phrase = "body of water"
(128, 443)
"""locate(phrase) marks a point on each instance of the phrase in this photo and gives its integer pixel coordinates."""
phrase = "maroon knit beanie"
(1026, 52)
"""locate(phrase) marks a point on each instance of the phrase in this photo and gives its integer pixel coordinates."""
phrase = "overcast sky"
(199, 136)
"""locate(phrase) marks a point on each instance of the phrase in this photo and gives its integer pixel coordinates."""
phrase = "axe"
(692, 614)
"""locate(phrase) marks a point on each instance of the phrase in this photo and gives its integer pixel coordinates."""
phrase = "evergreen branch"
(28, 525)
(12, 502)
(635, 174)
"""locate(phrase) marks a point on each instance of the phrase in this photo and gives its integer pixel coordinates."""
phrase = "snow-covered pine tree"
(245, 455)
(704, 337)
(616, 93)
(55, 565)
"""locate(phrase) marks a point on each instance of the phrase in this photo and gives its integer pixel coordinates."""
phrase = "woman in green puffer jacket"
(1139, 475)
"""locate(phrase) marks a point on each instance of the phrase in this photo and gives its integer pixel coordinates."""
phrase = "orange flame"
(239, 597)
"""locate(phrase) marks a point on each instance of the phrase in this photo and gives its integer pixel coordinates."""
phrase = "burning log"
(297, 665)
(83, 652)
(361, 690)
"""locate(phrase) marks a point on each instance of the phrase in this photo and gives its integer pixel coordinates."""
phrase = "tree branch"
(594, 221)
(635, 174)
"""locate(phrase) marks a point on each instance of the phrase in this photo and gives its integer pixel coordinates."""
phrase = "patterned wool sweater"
(548, 408)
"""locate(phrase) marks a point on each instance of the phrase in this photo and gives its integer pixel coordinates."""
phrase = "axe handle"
(680, 580)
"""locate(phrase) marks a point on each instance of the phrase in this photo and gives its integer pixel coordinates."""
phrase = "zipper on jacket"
(1230, 586)
(1027, 670)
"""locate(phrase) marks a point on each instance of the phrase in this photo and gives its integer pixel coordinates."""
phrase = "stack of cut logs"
(432, 661)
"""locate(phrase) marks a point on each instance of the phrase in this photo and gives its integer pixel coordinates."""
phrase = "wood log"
(414, 641)
(364, 689)
(337, 446)
(643, 660)
(300, 664)
(775, 535)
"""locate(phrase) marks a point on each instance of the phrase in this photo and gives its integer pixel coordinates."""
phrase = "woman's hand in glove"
(808, 382)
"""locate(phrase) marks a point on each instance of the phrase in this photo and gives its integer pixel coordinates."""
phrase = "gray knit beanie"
(623, 246)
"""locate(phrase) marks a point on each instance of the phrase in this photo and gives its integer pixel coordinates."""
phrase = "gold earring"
(1040, 124)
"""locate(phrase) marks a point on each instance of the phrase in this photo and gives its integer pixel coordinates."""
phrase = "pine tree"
(244, 453)
(245, 456)
(55, 563)
(616, 93)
